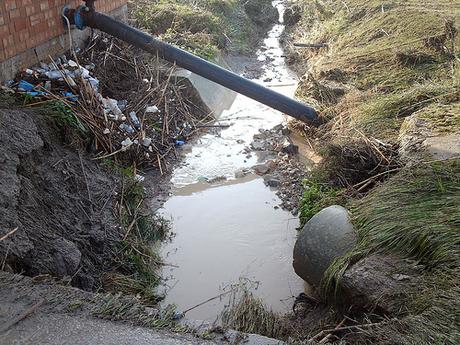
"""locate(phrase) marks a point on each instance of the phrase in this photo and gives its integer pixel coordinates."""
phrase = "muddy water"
(232, 229)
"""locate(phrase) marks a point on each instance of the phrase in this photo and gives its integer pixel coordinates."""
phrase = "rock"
(289, 148)
(272, 182)
(261, 169)
(285, 131)
(271, 164)
(67, 257)
(258, 145)
(61, 259)
(378, 282)
(240, 173)
(217, 179)
(326, 236)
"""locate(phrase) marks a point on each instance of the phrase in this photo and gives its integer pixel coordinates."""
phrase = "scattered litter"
(139, 178)
(135, 120)
(126, 143)
(127, 128)
(152, 110)
(147, 142)
(126, 101)
(25, 86)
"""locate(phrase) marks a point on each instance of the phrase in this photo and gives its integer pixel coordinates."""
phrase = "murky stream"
(231, 229)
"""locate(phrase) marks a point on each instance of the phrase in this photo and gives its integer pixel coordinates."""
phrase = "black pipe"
(208, 70)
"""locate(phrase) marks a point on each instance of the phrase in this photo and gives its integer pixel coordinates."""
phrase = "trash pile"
(136, 109)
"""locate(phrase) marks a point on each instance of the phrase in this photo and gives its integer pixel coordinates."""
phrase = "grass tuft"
(137, 262)
(248, 314)
(416, 214)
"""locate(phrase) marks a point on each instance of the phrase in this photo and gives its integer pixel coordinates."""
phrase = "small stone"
(289, 148)
(106, 131)
(271, 164)
(258, 145)
(261, 169)
(241, 173)
(273, 182)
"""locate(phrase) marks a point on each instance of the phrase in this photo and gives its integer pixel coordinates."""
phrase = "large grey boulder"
(327, 235)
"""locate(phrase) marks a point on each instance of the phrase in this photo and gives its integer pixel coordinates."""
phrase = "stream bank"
(389, 141)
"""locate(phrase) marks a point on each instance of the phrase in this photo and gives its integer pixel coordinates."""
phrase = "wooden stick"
(9, 234)
(207, 301)
(327, 337)
(310, 45)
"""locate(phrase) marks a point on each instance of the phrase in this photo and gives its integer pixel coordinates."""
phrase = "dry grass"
(393, 58)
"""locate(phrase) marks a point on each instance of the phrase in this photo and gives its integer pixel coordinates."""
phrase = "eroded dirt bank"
(60, 202)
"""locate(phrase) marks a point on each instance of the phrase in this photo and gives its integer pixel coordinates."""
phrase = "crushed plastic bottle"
(82, 72)
(122, 104)
(53, 75)
(135, 120)
(147, 142)
(72, 63)
(70, 96)
(127, 128)
(25, 86)
(112, 105)
(94, 84)
(126, 143)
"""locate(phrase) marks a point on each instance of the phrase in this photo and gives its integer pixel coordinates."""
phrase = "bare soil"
(60, 201)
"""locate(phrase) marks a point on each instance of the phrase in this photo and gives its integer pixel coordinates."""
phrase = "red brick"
(10, 5)
(20, 24)
(15, 14)
(4, 31)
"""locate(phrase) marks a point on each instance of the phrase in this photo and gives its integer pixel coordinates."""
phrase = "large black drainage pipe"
(86, 16)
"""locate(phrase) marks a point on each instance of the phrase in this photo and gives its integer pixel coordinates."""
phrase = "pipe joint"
(79, 17)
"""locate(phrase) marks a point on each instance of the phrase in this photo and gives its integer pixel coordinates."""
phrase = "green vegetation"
(117, 307)
(206, 27)
(415, 214)
(316, 196)
(137, 262)
(64, 117)
(250, 315)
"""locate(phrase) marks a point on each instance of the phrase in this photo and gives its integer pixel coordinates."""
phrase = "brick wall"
(29, 24)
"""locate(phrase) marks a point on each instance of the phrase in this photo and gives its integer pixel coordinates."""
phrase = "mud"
(60, 201)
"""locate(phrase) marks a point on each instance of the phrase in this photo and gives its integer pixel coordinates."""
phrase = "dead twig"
(9, 234)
